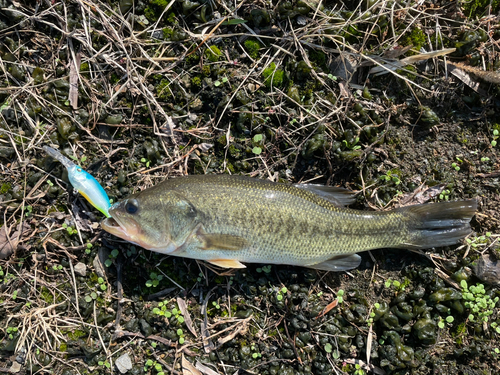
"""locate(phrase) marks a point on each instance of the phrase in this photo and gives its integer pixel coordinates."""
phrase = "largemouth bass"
(230, 220)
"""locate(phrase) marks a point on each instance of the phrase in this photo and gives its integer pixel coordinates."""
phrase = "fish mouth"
(127, 230)
(111, 225)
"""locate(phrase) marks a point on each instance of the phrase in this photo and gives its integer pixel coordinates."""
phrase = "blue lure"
(83, 182)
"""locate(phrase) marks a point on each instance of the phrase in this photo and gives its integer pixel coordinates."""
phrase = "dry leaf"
(187, 317)
(398, 64)
(9, 242)
(208, 345)
(73, 81)
(205, 369)
(188, 368)
(420, 195)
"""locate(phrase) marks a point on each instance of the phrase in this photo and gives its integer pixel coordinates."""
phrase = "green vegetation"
(478, 302)
(273, 76)
(252, 47)
(477, 8)
(213, 53)
(69, 229)
(496, 135)
(281, 293)
(416, 38)
(154, 280)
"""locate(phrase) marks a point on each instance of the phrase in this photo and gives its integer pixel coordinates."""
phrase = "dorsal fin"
(340, 197)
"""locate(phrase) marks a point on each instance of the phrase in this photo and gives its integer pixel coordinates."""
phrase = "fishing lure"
(83, 182)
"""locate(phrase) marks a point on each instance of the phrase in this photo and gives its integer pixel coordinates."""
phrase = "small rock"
(487, 268)
(145, 328)
(81, 269)
(123, 363)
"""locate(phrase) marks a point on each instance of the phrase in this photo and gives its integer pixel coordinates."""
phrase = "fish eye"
(131, 206)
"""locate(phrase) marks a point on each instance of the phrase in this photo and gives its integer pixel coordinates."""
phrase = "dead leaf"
(187, 318)
(330, 306)
(205, 369)
(466, 78)
(240, 329)
(420, 195)
(398, 64)
(73, 81)
(208, 345)
(9, 242)
(369, 344)
(188, 368)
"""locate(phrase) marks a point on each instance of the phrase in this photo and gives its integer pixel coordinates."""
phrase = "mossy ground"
(166, 92)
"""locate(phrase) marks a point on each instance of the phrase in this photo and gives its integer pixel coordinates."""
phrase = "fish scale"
(230, 220)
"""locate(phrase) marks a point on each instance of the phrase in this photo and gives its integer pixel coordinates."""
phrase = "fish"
(84, 182)
(231, 220)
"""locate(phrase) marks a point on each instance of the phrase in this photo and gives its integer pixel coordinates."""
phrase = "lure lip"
(59, 157)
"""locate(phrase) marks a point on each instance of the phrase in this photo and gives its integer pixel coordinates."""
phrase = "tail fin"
(438, 224)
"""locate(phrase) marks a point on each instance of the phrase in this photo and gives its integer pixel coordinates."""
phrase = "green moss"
(171, 18)
(63, 347)
(273, 76)
(459, 333)
(84, 67)
(319, 58)
(196, 81)
(5, 188)
(114, 78)
(477, 8)
(162, 90)
(252, 47)
(167, 33)
(192, 59)
(150, 14)
(46, 295)
(161, 4)
(205, 70)
(76, 334)
(416, 38)
(213, 53)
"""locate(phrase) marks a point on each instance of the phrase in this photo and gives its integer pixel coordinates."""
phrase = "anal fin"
(226, 263)
(338, 263)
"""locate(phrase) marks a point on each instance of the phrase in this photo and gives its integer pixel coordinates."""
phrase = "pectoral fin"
(339, 263)
(226, 263)
(221, 241)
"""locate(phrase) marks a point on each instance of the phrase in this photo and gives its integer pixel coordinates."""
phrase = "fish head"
(157, 221)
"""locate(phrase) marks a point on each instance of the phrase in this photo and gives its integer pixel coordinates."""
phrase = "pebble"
(81, 269)
(124, 363)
